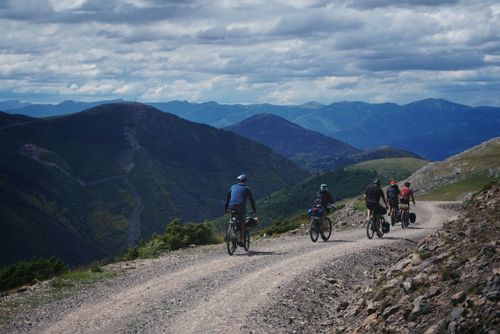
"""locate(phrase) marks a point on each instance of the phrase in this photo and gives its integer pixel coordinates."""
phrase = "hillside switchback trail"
(208, 291)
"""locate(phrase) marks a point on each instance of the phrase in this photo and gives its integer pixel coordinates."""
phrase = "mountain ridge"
(432, 128)
(309, 149)
(96, 172)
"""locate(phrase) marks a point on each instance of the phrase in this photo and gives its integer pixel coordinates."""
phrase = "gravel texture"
(283, 285)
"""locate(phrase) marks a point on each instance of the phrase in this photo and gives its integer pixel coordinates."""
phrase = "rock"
(400, 265)
(433, 329)
(390, 311)
(433, 291)
(458, 297)
(393, 283)
(417, 305)
(370, 321)
(407, 285)
(342, 306)
(493, 295)
(415, 259)
(441, 256)
(426, 264)
(372, 307)
(457, 313)
(22, 289)
(330, 280)
(420, 279)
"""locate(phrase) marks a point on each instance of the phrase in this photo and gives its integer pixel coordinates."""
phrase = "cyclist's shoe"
(241, 244)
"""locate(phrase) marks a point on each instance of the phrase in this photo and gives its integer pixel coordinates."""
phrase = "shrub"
(281, 226)
(449, 274)
(176, 236)
(25, 272)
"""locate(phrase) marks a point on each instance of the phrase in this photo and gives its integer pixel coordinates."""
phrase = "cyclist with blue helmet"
(236, 200)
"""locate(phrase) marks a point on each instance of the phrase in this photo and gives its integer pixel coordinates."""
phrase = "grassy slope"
(391, 168)
(463, 173)
(455, 191)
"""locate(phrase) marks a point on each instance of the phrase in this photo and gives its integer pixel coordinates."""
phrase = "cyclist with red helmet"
(406, 194)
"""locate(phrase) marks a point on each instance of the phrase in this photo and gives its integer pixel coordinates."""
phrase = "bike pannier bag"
(413, 217)
(251, 222)
(386, 227)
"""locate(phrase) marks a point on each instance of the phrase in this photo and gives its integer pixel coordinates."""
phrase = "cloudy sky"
(250, 51)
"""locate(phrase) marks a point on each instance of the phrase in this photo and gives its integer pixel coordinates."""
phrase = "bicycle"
(233, 233)
(394, 213)
(315, 228)
(405, 215)
(371, 228)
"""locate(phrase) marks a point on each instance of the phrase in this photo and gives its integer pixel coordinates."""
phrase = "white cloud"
(251, 51)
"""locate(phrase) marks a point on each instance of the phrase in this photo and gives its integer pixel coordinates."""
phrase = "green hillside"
(456, 190)
(391, 168)
(91, 184)
(462, 173)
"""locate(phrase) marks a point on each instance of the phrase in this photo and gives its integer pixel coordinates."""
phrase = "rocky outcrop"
(481, 159)
(449, 284)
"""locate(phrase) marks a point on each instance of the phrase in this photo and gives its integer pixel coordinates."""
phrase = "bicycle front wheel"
(246, 244)
(314, 230)
(370, 228)
(327, 230)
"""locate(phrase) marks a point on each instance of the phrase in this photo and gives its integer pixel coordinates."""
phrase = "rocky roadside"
(449, 284)
(327, 299)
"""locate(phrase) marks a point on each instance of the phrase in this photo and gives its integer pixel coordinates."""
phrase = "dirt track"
(207, 291)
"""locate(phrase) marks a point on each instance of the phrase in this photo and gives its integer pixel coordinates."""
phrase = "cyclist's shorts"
(238, 211)
(376, 208)
(404, 201)
(393, 202)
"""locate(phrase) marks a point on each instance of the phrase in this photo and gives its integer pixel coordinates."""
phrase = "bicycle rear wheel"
(380, 231)
(327, 230)
(314, 230)
(231, 240)
(406, 219)
(370, 228)
(394, 217)
(403, 225)
(246, 244)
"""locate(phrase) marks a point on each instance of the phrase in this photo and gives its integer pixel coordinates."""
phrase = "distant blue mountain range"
(433, 128)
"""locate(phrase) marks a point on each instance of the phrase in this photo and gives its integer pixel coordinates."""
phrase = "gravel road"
(204, 290)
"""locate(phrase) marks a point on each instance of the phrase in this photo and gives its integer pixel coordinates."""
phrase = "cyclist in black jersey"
(372, 198)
